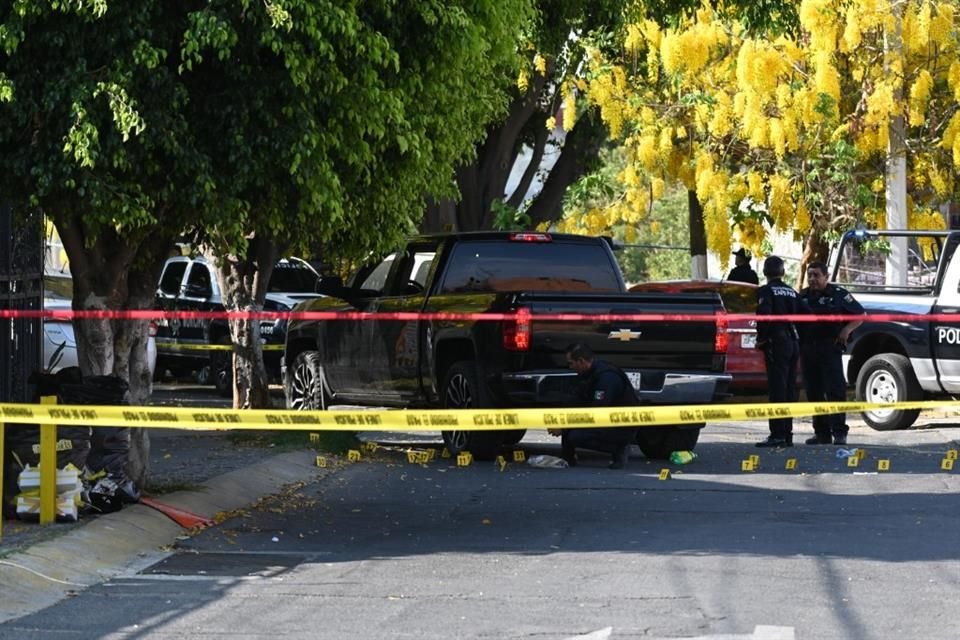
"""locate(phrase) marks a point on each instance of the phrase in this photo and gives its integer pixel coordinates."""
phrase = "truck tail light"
(516, 332)
(530, 237)
(152, 330)
(721, 340)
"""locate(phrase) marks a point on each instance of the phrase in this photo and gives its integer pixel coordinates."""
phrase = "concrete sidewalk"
(87, 553)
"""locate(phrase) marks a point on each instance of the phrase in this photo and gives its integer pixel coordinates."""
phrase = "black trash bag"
(110, 492)
(110, 446)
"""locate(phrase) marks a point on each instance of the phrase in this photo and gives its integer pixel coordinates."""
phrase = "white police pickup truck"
(892, 361)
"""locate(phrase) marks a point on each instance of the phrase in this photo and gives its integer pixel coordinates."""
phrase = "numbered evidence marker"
(321, 461)
(664, 474)
(314, 437)
(951, 454)
(754, 460)
(861, 453)
(418, 457)
(519, 455)
(883, 465)
(445, 453)
(853, 461)
(353, 455)
(747, 465)
(501, 462)
(791, 464)
(464, 459)
(947, 464)
(370, 446)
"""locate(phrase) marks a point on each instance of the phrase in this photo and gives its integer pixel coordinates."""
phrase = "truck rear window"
(487, 266)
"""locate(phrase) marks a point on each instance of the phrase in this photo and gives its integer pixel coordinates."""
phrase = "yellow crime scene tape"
(205, 419)
(172, 346)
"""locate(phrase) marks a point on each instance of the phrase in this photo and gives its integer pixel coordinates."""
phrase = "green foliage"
(507, 218)
(302, 120)
(663, 254)
(655, 248)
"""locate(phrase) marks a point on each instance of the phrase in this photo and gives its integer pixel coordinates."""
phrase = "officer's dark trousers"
(606, 440)
(824, 381)
(781, 356)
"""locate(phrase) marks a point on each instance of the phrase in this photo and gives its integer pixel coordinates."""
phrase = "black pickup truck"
(464, 363)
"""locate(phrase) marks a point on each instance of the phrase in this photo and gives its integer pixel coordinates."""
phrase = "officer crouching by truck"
(604, 385)
(781, 346)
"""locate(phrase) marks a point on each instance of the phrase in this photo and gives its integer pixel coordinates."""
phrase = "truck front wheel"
(462, 389)
(305, 385)
(888, 377)
(657, 443)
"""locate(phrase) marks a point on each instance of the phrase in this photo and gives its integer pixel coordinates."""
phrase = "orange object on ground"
(184, 518)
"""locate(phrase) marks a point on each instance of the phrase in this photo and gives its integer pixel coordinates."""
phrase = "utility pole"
(896, 165)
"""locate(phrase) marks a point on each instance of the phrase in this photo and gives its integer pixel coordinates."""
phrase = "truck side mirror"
(330, 285)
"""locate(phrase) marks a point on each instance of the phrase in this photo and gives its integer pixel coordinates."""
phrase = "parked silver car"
(59, 341)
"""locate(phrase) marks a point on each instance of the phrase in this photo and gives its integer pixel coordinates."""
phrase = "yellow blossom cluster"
(739, 117)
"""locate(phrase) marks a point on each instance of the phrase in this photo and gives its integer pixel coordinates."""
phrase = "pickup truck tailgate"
(677, 345)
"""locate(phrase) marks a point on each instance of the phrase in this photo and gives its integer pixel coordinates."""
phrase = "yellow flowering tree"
(778, 131)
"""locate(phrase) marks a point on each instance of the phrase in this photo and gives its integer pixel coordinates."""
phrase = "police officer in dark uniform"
(821, 350)
(742, 271)
(781, 347)
(604, 385)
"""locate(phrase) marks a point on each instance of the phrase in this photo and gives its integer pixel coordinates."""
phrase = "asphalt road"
(389, 549)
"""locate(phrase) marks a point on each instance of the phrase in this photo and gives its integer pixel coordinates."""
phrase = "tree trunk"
(243, 283)
(815, 249)
(698, 237)
(112, 273)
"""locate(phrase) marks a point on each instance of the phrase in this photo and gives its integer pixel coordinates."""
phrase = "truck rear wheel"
(888, 377)
(462, 389)
(305, 386)
(657, 443)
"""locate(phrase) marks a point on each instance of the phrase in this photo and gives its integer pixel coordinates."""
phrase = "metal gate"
(21, 287)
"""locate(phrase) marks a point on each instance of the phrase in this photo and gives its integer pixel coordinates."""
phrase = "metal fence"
(21, 287)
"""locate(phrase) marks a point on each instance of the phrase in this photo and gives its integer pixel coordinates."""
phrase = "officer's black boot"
(620, 457)
(776, 441)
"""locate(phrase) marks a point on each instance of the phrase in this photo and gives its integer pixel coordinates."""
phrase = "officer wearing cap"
(781, 346)
(742, 271)
(821, 350)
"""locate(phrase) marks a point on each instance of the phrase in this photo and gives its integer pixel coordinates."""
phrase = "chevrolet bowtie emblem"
(623, 335)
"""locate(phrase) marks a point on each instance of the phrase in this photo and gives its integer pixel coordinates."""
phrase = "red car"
(744, 360)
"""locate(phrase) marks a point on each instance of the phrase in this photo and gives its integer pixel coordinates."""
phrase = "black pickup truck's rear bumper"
(560, 387)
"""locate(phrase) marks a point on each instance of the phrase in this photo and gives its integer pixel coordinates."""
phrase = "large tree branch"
(578, 155)
(540, 137)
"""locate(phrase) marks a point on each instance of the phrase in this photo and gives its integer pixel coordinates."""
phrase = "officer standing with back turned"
(780, 345)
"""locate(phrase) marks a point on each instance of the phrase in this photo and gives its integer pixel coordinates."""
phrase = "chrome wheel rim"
(306, 388)
(458, 396)
(882, 387)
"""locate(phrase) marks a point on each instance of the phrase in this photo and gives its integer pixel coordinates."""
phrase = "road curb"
(133, 538)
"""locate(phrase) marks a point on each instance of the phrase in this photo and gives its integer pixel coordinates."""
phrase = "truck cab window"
(377, 279)
(198, 282)
(172, 277)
